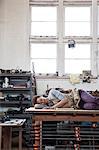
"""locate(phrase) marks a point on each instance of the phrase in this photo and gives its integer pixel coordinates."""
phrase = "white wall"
(65, 84)
(14, 34)
(2, 28)
(14, 44)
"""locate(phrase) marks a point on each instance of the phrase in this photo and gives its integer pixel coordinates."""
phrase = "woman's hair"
(35, 99)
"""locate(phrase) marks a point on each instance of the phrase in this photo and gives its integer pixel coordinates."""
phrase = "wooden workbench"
(7, 136)
(59, 114)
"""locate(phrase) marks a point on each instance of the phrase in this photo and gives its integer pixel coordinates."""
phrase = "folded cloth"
(74, 78)
(39, 106)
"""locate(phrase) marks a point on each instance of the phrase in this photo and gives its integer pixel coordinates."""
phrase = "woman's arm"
(61, 104)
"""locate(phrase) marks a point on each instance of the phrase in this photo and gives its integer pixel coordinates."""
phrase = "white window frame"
(61, 39)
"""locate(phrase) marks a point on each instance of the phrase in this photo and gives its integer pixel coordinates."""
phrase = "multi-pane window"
(43, 21)
(77, 21)
(98, 21)
(43, 56)
(77, 59)
(47, 52)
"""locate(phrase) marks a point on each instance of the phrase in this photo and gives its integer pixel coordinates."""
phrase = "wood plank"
(65, 117)
(7, 138)
(20, 138)
(61, 110)
(0, 137)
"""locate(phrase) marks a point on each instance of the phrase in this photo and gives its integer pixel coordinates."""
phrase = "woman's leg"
(89, 106)
(87, 97)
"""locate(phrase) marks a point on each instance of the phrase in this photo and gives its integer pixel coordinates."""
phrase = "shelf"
(15, 75)
(18, 95)
(16, 104)
(15, 89)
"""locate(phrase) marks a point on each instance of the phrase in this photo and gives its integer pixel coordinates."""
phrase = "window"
(43, 56)
(77, 59)
(98, 21)
(50, 54)
(77, 21)
(43, 21)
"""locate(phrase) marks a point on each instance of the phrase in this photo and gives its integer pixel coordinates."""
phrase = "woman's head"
(40, 100)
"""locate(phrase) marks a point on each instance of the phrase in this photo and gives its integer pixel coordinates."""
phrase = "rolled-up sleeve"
(55, 94)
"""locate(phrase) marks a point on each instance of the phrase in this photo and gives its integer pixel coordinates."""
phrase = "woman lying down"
(77, 99)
